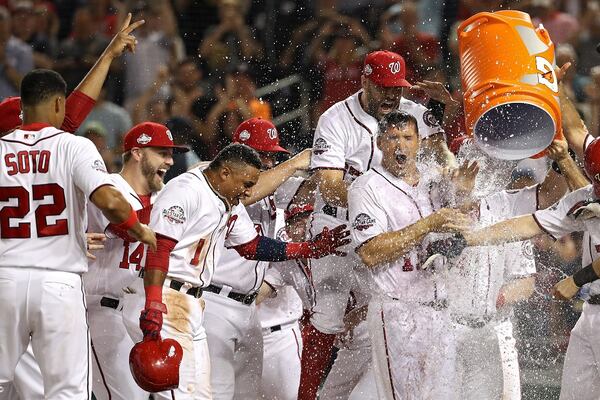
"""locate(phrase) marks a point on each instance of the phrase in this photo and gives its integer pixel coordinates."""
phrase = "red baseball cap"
(151, 134)
(10, 114)
(385, 68)
(260, 134)
(297, 209)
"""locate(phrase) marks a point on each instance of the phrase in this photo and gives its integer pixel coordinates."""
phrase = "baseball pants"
(46, 308)
(581, 370)
(235, 346)
(487, 365)
(282, 351)
(183, 322)
(28, 383)
(413, 351)
(110, 353)
(351, 364)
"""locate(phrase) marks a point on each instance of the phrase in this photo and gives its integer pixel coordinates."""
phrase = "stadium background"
(202, 67)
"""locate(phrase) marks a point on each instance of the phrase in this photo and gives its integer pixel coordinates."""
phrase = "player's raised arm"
(119, 212)
(271, 179)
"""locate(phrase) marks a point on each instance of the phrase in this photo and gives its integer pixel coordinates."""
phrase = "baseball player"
(287, 291)
(232, 325)
(196, 214)
(485, 280)
(344, 148)
(147, 155)
(46, 179)
(392, 208)
(576, 212)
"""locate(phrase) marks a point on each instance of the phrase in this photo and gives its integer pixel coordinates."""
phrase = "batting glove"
(151, 320)
(328, 241)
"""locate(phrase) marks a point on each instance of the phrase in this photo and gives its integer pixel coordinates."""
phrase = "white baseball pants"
(282, 351)
(46, 308)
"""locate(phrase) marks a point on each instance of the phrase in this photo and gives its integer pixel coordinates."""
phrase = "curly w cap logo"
(394, 67)
(174, 215)
(363, 222)
(597, 177)
(272, 132)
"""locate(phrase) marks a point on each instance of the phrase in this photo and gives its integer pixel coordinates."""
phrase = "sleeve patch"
(174, 215)
(527, 250)
(98, 165)
(430, 119)
(320, 146)
(363, 222)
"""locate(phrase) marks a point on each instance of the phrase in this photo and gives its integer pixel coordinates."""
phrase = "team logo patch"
(144, 139)
(597, 177)
(320, 146)
(272, 133)
(363, 222)
(430, 119)
(244, 135)
(527, 250)
(282, 235)
(368, 70)
(169, 135)
(174, 215)
(394, 67)
(98, 165)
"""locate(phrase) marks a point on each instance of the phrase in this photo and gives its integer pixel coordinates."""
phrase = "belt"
(595, 299)
(246, 299)
(193, 291)
(277, 328)
(109, 302)
(334, 211)
(473, 322)
(435, 304)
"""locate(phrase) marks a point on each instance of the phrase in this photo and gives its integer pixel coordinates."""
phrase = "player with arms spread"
(45, 180)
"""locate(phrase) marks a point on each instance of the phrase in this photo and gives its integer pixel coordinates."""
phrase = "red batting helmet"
(260, 134)
(155, 364)
(592, 164)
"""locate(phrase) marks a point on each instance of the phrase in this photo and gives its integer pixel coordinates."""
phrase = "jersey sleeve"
(78, 106)
(554, 219)
(89, 171)
(367, 217)
(240, 228)
(173, 210)
(427, 122)
(328, 145)
(522, 201)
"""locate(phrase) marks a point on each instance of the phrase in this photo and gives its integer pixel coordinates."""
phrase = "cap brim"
(270, 149)
(180, 149)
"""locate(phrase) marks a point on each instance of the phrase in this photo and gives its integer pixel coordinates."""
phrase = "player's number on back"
(19, 206)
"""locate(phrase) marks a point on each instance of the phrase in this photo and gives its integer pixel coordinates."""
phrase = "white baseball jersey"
(189, 211)
(345, 138)
(118, 264)
(555, 221)
(46, 177)
(479, 272)
(246, 276)
(379, 202)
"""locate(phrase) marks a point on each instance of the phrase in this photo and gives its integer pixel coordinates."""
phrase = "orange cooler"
(509, 84)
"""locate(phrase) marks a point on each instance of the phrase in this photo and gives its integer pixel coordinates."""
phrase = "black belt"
(595, 299)
(108, 302)
(473, 322)
(240, 297)
(332, 211)
(194, 291)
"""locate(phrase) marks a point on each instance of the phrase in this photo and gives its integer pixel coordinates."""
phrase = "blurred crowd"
(199, 65)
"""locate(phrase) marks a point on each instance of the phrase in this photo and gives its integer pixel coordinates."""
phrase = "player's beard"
(155, 182)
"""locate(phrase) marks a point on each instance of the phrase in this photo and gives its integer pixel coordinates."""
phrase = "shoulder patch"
(430, 119)
(98, 165)
(527, 250)
(363, 222)
(174, 215)
(320, 146)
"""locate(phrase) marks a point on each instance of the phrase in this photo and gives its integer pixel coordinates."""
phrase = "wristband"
(129, 222)
(153, 294)
(585, 275)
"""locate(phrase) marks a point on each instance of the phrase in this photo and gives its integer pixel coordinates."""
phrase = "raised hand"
(566, 289)
(435, 90)
(328, 241)
(124, 39)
